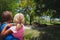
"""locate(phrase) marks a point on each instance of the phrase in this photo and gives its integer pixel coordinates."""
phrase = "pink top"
(18, 33)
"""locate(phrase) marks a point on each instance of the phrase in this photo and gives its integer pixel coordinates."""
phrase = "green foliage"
(8, 5)
(49, 12)
(28, 7)
(27, 37)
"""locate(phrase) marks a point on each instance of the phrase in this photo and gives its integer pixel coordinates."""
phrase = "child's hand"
(9, 25)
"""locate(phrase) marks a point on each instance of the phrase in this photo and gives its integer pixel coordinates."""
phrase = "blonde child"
(18, 30)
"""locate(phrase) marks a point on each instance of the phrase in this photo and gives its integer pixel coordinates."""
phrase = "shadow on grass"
(48, 33)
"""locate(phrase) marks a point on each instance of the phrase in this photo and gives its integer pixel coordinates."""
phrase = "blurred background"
(42, 17)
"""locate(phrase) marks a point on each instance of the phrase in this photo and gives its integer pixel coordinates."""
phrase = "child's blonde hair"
(19, 17)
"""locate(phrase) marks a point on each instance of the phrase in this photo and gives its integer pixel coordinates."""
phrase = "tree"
(29, 8)
(54, 5)
(10, 5)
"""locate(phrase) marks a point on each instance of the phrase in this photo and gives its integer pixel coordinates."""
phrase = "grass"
(46, 34)
(52, 34)
(35, 33)
(30, 33)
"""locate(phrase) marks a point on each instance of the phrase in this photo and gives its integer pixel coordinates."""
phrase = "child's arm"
(5, 32)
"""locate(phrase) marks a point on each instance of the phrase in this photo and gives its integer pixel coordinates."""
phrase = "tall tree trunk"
(50, 20)
(30, 20)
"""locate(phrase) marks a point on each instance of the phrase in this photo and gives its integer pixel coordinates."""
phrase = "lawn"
(44, 34)
(30, 33)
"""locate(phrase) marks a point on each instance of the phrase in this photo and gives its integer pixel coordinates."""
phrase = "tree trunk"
(30, 20)
(50, 20)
